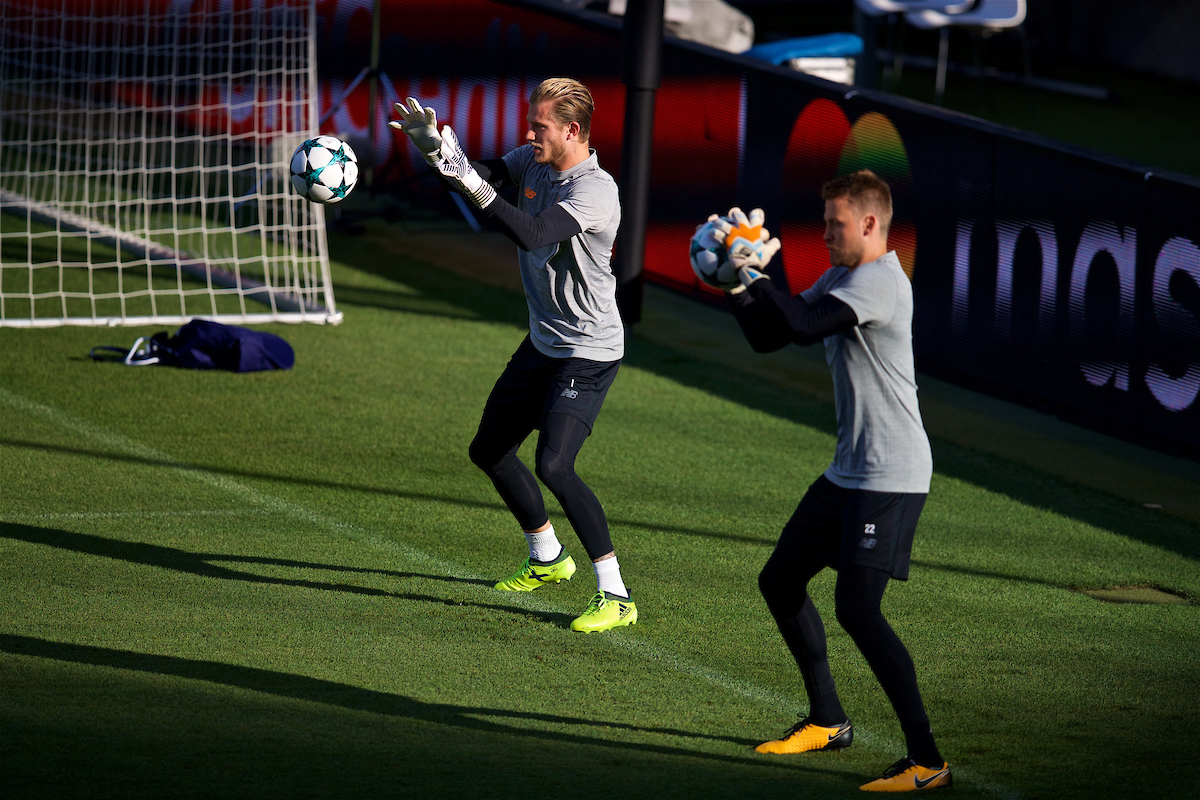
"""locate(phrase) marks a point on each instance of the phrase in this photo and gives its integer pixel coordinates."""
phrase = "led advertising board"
(1060, 278)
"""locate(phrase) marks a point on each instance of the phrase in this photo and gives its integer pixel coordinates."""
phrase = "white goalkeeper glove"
(421, 126)
(748, 243)
(453, 163)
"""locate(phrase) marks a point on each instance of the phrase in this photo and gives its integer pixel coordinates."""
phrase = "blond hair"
(866, 193)
(570, 102)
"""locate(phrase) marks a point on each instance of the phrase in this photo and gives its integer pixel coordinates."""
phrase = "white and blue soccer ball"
(710, 258)
(324, 169)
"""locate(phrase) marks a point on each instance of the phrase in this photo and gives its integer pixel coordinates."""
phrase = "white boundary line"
(233, 512)
(268, 503)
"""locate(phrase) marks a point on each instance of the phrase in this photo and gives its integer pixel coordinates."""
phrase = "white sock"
(608, 577)
(543, 545)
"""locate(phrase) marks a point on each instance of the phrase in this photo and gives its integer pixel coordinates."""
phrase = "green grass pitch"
(277, 585)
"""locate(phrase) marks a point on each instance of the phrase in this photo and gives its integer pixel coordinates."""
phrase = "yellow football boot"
(907, 775)
(533, 575)
(805, 736)
(605, 611)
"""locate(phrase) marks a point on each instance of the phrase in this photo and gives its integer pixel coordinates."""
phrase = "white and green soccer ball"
(710, 258)
(324, 169)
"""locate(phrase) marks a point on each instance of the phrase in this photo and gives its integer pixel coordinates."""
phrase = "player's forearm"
(763, 328)
(530, 232)
(494, 171)
(527, 231)
(793, 319)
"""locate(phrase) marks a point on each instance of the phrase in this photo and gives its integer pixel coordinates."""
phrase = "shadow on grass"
(198, 564)
(1021, 483)
(355, 698)
(340, 486)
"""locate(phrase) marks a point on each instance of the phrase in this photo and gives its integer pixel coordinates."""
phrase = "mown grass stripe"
(621, 640)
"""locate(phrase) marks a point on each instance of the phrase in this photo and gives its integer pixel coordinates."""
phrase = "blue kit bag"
(203, 344)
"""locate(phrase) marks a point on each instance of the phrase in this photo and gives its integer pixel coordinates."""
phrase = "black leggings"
(495, 452)
(857, 597)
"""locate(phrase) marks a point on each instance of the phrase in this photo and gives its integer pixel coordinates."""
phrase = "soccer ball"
(324, 170)
(710, 258)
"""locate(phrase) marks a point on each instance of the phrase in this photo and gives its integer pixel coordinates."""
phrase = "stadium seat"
(715, 23)
(878, 8)
(986, 17)
(868, 11)
(828, 55)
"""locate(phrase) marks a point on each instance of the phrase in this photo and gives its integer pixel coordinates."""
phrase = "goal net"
(144, 168)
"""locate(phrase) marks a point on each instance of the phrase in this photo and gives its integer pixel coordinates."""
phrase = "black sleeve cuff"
(553, 225)
(494, 171)
(778, 319)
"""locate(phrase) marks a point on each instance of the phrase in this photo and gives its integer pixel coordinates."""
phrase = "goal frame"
(158, 212)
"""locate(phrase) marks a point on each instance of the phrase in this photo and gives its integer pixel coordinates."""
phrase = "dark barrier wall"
(1041, 273)
(1046, 274)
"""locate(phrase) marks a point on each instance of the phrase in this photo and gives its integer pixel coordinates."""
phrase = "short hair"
(866, 193)
(570, 102)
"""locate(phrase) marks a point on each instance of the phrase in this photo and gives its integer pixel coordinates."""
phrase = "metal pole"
(373, 112)
(641, 49)
(866, 72)
(943, 54)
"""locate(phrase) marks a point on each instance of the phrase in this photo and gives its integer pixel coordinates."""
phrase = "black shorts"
(534, 385)
(855, 527)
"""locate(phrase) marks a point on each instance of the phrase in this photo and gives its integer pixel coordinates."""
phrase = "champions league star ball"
(324, 170)
(710, 258)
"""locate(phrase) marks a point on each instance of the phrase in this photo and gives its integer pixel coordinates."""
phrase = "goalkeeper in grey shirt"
(859, 517)
(564, 226)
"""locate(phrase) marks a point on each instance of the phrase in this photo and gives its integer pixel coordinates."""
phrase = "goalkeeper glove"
(748, 243)
(453, 163)
(421, 126)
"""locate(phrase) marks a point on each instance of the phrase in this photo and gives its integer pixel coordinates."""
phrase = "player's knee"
(485, 456)
(858, 617)
(766, 583)
(553, 468)
(479, 455)
(776, 588)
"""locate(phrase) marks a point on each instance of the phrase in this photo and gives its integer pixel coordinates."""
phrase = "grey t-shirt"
(570, 286)
(882, 446)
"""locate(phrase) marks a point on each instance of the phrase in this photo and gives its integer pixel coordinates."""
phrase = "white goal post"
(144, 150)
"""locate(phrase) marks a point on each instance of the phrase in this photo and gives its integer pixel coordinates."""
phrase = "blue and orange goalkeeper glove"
(749, 244)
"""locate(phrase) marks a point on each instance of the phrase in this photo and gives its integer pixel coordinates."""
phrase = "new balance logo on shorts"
(570, 392)
(868, 541)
